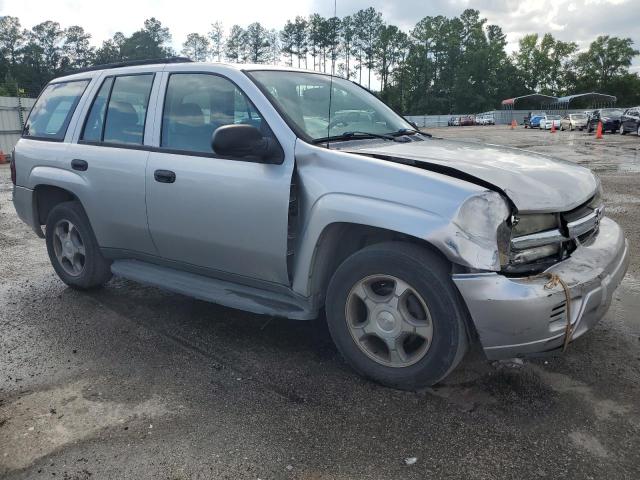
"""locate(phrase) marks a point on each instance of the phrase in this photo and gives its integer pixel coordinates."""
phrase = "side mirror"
(244, 141)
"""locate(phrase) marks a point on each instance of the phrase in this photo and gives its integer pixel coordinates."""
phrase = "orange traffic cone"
(513, 124)
(553, 127)
(599, 131)
(3, 157)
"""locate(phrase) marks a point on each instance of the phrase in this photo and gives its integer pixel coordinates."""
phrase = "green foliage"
(196, 47)
(442, 65)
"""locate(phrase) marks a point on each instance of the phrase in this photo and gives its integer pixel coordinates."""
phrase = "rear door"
(111, 157)
(223, 216)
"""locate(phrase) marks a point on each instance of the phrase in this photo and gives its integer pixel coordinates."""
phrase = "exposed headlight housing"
(539, 240)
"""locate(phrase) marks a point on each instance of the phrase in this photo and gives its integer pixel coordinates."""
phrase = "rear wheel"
(622, 130)
(395, 315)
(73, 249)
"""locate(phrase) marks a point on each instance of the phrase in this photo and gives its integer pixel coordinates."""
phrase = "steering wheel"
(335, 123)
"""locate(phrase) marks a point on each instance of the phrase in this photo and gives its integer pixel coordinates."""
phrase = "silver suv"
(285, 192)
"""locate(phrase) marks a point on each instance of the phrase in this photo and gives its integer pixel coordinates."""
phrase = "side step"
(229, 294)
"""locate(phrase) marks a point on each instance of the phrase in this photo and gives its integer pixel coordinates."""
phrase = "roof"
(536, 97)
(160, 64)
(591, 95)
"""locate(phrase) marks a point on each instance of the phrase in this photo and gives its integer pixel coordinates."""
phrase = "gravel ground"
(133, 382)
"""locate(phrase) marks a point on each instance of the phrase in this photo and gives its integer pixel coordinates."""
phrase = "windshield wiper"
(356, 135)
(409, 131)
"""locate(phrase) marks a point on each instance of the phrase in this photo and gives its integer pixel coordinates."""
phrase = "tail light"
(12, 166)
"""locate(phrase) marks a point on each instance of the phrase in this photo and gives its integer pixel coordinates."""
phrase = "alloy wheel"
(68, 246)
(389, 320)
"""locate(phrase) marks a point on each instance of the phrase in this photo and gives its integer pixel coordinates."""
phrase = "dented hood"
(533, 182)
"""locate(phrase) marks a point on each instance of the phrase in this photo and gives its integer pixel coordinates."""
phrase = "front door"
(221, 215)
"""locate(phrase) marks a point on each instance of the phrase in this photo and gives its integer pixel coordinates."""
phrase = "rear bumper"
(26, 208)
(518, 316)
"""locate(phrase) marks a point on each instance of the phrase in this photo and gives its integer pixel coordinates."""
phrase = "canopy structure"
(585, 100)
(534, 101)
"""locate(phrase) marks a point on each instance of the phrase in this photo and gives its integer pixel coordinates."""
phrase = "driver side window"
(196, 104)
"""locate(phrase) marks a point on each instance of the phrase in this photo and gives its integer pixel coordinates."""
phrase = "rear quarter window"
(50, 116)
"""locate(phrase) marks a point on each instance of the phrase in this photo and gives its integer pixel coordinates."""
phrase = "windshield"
(304, 98)
(554, 117)
(578, 116)
(611, 112)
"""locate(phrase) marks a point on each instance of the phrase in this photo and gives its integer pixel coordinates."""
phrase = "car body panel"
(519, 316)
(336, 187)
(531, 180)
(206, 217)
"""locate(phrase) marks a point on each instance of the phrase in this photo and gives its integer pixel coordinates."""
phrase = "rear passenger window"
(197, 104)
(119, 110)
(50, 116)
(95, 121)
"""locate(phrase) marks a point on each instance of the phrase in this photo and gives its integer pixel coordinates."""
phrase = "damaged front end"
(516, 310)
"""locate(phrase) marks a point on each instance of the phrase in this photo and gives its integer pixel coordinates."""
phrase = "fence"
(501, 117)
(13, 111)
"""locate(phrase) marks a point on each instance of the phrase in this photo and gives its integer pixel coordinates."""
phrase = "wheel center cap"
(386, 321)
(67, 247)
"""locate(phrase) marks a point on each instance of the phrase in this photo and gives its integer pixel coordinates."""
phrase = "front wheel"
(73, 249)
(622, 130)
(395, 315)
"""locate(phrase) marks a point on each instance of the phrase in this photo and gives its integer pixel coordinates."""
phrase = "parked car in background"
(610, 118)
(467, 120)
(548, 121)
(630, 121)
(236, 185)
(485, 119)
(573, 121)
(532, 122)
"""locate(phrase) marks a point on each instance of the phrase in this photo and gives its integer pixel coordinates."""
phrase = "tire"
(638, 131)
(69, 235)
(622, 130)
(429, 290)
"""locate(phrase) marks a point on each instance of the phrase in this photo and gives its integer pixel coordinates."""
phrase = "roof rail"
(133, 63)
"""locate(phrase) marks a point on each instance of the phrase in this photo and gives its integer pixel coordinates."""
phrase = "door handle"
(80, 165)
(164, 176)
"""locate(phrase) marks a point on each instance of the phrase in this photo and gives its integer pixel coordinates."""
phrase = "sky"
(571, 20)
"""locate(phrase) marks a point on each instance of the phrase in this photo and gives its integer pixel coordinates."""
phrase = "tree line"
(442, 65)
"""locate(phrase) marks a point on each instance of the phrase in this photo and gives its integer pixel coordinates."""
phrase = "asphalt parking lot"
(133, 382)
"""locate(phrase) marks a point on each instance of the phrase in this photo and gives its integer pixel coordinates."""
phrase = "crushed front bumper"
(518, 316)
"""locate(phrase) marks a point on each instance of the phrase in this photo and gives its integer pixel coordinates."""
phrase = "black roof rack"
(133, 63)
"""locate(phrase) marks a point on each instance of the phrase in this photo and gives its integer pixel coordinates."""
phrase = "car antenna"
(331, 77)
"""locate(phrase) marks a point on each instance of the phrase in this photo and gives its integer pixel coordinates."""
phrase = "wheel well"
(47, 197)
(340, 240)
